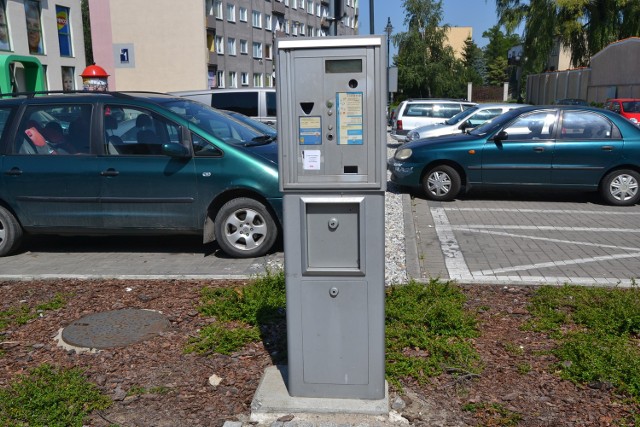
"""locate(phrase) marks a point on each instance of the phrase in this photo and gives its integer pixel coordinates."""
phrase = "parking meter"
(332, 163)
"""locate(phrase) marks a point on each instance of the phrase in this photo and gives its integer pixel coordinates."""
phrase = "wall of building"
(50, 47)
(151, 46)
(613, 73)
(456, 36)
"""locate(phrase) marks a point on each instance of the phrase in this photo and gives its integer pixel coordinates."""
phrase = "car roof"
(56, 96)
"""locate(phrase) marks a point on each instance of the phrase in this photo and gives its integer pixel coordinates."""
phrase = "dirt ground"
(518, 384)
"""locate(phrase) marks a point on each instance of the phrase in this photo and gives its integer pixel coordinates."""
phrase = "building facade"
(166, 45)
(49, 30)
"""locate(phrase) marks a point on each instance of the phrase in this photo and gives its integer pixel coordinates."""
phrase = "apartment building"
(169, 45)
(49, 30)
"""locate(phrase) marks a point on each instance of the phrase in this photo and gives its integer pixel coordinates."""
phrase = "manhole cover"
(116, 328)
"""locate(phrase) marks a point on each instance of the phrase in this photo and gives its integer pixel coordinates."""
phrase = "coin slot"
(351, 169)
(306, 107)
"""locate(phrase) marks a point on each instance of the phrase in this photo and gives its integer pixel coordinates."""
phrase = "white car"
(467, 119)
(414, 113)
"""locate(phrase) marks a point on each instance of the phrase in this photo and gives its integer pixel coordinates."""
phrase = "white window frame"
(220, 78)
(243, 14)
(244, 78)
(256, 19)
(267, 22)
(244, 47)
(231, 46)
(219, 12)
(257, 50)
(268, 51)
(258, 80)
(233, 79)
(219, 43)
(310, 7)
(231, 12)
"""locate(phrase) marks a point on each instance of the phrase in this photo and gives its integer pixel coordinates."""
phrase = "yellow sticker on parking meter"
(310, 131)
(350, 123)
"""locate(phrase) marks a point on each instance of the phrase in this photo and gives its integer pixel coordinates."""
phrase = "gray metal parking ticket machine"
(331, 135)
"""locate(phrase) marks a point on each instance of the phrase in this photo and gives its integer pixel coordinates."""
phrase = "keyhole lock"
(333, 223)
(333, 292)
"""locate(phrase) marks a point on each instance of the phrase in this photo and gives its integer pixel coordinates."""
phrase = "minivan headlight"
(403, 154)
(413, 135)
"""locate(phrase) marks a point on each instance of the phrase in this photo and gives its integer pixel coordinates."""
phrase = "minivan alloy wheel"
(441, 183)
(245, 228)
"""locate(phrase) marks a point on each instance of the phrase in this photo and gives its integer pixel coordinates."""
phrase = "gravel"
(395, 254)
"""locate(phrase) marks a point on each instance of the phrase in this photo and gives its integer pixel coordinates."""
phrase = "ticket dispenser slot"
(332, 166)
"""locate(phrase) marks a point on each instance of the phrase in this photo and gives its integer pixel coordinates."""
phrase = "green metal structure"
(33, 74)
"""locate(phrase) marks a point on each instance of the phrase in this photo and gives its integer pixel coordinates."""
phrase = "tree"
(426, 64)
(585, 26)
(474, 63)
(495, 54)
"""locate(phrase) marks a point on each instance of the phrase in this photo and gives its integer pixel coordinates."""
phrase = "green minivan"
(138, 163)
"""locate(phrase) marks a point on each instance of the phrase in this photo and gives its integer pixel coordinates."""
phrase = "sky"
(479, 14)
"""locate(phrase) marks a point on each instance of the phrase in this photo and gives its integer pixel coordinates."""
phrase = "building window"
(244, 47)
(286, 3)
(34, 26)
(287, 26)
(233, 79)
(302, 29)
(244, 79)
(231, 46)
(267, 22)
(5, 43)
(256, 19)
(257, 80)
(218, 9)
(231, 12)
(243, 14)
(294, 29)
(268, 80)
(64, 32)
(220, 78)
(267, 51)
(318, 9)
(301, 4)
(310, 7)
(257, 50)
(211, 78)
(219, 44)
(68, 82)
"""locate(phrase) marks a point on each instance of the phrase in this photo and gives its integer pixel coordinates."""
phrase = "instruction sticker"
(310, 130)
(311, 160)
(349, 106)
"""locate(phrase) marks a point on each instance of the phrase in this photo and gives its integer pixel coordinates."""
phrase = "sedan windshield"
(494, 124)
(461, 116)
(216, 123)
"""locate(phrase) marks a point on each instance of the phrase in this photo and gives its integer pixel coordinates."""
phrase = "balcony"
(278, 8)
(324, 22)
(211, 21)
(213, 58)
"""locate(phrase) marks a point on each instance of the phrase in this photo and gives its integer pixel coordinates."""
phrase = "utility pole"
(371, 20)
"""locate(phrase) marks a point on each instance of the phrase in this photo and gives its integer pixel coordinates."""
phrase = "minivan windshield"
(216, 123)
(461, 116)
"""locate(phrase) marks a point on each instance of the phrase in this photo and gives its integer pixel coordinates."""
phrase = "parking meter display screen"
(336, 66)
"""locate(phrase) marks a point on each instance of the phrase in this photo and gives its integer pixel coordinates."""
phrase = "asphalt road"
(484, 237)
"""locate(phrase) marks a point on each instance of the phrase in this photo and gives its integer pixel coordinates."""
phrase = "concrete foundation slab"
(272, 400)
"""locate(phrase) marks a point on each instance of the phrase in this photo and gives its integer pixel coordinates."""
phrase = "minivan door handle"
(607, 148)
(110, 172)
(538, 149)
(14, 171)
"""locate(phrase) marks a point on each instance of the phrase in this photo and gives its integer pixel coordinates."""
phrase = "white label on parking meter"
(349, 118)
(311, 160)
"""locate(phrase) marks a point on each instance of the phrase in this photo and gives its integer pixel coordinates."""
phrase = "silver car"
(467, 119)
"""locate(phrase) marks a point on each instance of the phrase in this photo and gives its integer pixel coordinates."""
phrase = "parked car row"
(144, 163)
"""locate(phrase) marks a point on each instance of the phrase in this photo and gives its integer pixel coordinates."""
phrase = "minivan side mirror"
(175, 150)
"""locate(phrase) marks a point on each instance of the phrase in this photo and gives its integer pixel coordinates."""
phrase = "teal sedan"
(550, 147)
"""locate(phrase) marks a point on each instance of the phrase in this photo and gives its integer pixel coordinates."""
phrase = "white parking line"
(459, 270)
(545, 211)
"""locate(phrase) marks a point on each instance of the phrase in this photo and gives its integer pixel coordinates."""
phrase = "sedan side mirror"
(501, 136)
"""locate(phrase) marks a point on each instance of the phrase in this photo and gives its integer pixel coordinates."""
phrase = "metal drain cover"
(116, 328)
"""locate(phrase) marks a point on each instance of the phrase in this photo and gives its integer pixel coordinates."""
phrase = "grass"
(426, 325)
(598, 333)
(493, 414)
(239, 313)
(23, 313)
(49, 397)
